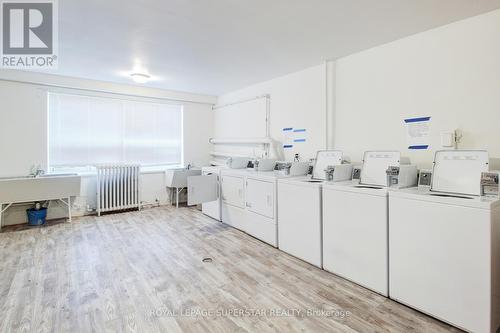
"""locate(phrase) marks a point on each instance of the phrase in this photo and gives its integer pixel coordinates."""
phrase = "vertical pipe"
(98, 197)
(267, 148)
(112, 192)
(101, 186)
(111, 189)
(106, 188)
(137, 186)
(133, 186)
(120, 187)
(330, 103)
(129, 197)
(138, 169)
(124, 182)
(115, 192)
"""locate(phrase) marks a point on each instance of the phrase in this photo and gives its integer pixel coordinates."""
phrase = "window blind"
(85, 130)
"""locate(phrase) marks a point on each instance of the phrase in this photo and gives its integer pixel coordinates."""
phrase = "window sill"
(144, 170)
(159, 169)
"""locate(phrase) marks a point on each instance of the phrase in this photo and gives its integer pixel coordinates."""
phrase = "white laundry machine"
(355, 220)
(299, 208)
(206, 189)
(249, 200)
(213, 208)
(444, 244)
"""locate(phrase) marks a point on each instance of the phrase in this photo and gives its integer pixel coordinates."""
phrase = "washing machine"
(444, 243)
(299, 207)
(355, 220)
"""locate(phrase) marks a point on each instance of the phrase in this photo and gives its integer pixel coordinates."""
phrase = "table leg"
(177, 198)
(69, 209)
(2, 210)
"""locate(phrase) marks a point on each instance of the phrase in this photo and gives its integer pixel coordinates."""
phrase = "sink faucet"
(36, 171)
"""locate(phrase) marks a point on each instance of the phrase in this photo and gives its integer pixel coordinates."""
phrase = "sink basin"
(58, 175)
(41, 176)
(46, 187)
(178, 177)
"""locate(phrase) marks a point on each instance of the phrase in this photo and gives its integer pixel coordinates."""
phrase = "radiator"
(117, 188)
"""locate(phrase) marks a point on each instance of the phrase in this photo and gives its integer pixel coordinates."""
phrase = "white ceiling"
(216, 46)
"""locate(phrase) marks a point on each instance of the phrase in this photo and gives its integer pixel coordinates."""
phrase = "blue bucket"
(37, 217)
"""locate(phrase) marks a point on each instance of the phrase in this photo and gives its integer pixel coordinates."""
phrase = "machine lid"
(459, 171)
(375, 164)
(325, 158)
(425, 195)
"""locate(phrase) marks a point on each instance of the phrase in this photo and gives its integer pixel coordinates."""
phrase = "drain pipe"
(330, 68)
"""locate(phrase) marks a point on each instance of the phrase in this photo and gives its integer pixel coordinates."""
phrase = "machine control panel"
(283, 168)
(392, 175)
(424, 178)
(356, 173)
(489, 183)
(329, 173)
(401, 176)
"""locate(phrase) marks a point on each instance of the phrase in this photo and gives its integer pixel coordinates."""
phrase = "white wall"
(451, 73)
(23, 133)
(297, 100)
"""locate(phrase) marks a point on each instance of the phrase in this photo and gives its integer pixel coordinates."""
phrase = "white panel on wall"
(246, 119)
(297, 100)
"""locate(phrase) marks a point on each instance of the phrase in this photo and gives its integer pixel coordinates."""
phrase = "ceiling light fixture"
(140, 77)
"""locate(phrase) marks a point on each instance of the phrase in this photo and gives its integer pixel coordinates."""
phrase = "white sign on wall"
(418, 132)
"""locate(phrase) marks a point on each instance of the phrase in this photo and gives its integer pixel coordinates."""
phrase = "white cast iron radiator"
(117, 187)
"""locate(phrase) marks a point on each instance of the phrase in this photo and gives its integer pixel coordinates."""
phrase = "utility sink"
(178, 177)
(45, 187)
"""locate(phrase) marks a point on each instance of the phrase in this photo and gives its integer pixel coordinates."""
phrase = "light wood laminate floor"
(143, 272)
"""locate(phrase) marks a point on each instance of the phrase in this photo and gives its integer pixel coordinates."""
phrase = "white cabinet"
(260, 197)
(233, 190)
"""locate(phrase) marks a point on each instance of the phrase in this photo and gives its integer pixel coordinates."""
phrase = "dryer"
(355, 220)
(243, 198)
(206, 189)
(249, 200)
(444, 244)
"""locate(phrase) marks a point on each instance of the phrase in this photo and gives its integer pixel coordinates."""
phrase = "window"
(84, 131)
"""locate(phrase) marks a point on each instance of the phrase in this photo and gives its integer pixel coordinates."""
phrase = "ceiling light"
(140, 77)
